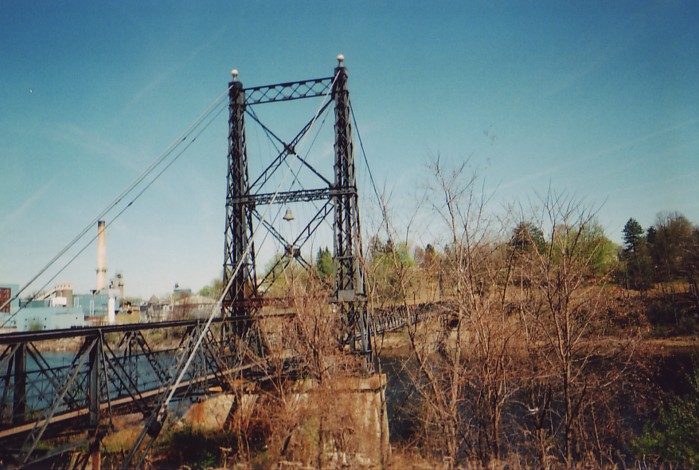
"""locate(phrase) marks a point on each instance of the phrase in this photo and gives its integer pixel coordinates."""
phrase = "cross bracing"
(245, 194)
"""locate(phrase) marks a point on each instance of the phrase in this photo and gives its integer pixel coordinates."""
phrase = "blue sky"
(600, 99)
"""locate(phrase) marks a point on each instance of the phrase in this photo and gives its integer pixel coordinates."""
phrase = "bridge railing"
(124, 369)
(393, 318)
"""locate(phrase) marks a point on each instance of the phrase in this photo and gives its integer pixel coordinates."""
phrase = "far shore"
(395, 344)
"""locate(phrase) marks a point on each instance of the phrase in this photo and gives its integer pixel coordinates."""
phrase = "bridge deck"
(114, 404)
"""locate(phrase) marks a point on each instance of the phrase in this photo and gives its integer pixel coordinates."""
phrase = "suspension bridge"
(125, 368)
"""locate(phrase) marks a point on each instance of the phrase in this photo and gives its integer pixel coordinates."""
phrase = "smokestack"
(101, 255)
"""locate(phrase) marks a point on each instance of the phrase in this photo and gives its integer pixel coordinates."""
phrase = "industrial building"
(60, 307)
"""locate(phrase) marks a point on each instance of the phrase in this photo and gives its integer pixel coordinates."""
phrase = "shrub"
(673, 437)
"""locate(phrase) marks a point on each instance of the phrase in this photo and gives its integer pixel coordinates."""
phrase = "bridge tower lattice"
(243, 291)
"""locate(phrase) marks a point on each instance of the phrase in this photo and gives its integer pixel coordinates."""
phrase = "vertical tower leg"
(93, 384)
(94, 402)
(20, 384)
(350, 289)
(238, 230)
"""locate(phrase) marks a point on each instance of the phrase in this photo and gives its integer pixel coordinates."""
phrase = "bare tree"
(572, 365)
(518, 358)
(307, 411)
(466, 353)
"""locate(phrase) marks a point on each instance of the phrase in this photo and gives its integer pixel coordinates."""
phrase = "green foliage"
(633, 235)
(638, 267)
(194, 448)
(325, 265)
(587, 245)
(671, 245)
(528, 238)
(603, 251)
(390, 269)
(213, 289)
(673, 438)
(668, 252)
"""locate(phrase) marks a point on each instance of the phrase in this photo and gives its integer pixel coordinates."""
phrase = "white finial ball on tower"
(234, 72)
(340, 58)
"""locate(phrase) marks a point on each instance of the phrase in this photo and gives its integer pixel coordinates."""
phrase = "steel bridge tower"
(116, 369)
(243, 292)
(242, 289)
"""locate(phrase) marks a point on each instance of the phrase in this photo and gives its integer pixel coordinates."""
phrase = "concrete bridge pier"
(362, 401)
(344, 423)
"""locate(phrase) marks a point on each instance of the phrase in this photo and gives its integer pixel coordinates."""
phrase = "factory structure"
(60, 307)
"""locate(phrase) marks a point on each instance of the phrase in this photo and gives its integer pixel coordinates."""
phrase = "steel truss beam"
(288, 91)
(105, 378)
(238, 259)
(300, 195)
(42, 423)
(44, 335)
(41, 398)
(214, 363)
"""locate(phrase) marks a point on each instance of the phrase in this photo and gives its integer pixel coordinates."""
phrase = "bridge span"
(112, 370)
(115, 369)
(141, 367)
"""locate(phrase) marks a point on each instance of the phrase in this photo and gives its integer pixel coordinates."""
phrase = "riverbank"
(398, 343)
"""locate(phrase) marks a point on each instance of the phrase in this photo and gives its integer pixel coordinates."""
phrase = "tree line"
(667, 251)
(665, 255)
(524, 360)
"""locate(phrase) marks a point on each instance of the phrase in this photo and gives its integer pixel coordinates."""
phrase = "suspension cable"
(371, 176)
(216, 307)
(128, 190)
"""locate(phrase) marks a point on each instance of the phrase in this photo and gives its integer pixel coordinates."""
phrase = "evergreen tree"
(633, 235)
(325, 264)
(638, 265)
(527, 237)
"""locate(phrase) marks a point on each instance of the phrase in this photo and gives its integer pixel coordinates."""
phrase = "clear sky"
(598, 98)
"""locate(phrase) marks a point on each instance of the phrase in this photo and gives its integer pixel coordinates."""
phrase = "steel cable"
(129, 189)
